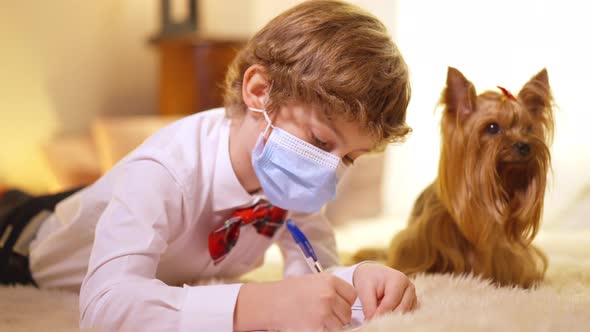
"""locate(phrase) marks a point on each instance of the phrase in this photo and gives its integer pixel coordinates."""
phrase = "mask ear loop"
(263, 111)
(266, 117)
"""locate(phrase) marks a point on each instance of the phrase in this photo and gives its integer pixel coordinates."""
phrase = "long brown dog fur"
(484, 208)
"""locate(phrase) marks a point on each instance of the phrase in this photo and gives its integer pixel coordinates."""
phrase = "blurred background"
(83, 82)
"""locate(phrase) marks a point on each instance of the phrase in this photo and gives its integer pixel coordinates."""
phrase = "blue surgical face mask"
(294, 175)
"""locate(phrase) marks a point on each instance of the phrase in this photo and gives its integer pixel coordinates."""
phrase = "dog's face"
(499, 131)
(495, 146)
(506, 130)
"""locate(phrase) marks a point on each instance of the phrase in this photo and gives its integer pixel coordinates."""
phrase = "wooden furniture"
(192, 71)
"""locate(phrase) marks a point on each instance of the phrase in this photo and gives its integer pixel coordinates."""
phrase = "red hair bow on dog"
(507, 93)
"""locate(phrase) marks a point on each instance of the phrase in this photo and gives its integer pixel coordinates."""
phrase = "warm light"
(26, 121)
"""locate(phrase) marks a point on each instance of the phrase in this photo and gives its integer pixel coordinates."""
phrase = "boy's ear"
(536, 93)
(459, 95)
(255, 87)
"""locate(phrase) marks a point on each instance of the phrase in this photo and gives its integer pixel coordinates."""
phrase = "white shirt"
(131, 241)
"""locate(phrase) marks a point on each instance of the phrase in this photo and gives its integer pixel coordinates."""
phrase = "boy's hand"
(315, 301)
(382, 289)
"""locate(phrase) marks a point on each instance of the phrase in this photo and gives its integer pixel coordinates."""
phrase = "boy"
(317, 87)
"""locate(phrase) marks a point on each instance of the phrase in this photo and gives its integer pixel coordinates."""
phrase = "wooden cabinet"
(192, 71)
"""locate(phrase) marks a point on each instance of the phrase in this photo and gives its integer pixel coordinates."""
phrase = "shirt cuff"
(209, 308)
(347, 274)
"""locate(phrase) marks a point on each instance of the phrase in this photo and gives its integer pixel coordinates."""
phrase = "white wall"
(493, 43)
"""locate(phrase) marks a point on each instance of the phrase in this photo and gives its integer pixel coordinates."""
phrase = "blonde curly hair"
(333, 55)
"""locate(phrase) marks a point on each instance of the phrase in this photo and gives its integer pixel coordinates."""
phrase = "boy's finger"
(345, 290)
(332, 323)
(369, 302)
(415, 303)
(342, 310)
(391, 299)
(408, 300)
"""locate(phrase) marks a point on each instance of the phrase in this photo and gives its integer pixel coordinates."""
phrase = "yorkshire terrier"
(483, 210)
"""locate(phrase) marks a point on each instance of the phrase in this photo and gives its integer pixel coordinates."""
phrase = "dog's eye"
(493, 128)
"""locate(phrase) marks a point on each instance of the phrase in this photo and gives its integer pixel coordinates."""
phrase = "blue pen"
(304, 247)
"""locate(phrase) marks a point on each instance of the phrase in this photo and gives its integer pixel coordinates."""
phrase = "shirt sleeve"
(120, 291)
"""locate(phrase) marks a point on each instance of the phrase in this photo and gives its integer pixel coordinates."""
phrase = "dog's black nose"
(522, 148)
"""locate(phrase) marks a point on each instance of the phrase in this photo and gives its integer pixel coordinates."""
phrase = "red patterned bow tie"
(266, 218)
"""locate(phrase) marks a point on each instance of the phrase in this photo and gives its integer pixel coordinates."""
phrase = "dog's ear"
(459, 95)
(536, 93)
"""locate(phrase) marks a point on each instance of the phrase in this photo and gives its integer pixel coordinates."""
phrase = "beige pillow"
(116, 136)
(72, 160)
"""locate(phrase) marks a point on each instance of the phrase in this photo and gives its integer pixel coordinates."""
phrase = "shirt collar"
(228, 192)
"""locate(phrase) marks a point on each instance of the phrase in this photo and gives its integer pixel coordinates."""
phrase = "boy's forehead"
(352, 131)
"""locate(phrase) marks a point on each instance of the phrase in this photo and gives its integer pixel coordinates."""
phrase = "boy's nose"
(522, 148)
(341, 153)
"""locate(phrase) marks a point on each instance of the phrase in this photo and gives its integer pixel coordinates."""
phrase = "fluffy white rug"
(466, 303)
(561, 303)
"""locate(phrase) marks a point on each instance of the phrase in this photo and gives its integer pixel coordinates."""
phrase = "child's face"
(340, 138)
(282, 175)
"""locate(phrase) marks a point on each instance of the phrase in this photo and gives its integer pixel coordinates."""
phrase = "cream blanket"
(561, 303)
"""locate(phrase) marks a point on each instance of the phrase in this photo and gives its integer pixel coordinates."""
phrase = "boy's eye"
(493, 128)
(319, 143)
